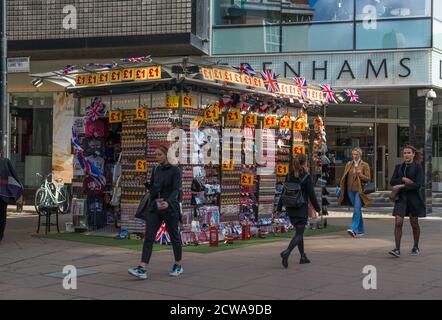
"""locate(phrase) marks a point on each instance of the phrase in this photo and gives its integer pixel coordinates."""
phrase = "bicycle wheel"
(65, 207)
(40, 199)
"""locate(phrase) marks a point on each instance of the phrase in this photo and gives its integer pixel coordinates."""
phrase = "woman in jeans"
(407, 180)
(356, 175)
(165, 188)
(299, 216)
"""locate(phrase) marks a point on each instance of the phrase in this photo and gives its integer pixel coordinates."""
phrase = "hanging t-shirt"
(78, 170)
(91, 187)
(97, 161)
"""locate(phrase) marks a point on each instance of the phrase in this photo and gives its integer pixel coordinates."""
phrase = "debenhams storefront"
(391, 50)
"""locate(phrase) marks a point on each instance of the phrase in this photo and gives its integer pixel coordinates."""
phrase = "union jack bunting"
(270, 81)
(96, 109)
(301, 83)
(329, 94)
(162, 236)
(68, 69)
(248, 70)
(352, 95)
(100, 65)
(137, 59)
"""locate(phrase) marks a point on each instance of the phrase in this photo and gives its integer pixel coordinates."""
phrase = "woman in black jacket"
(407, 181)
(299, 216)
(165, 188)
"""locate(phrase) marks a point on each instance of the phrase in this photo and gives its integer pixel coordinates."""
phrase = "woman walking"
(297, 211)
(356, 176)
(163, 205)
(407, 180)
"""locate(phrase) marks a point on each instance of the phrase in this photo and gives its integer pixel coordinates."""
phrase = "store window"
(246, 12)
(437, 34)
(437, 10)
(31, 136)
(394, 34)
(368, 9)
(318, 10)
(311, 37)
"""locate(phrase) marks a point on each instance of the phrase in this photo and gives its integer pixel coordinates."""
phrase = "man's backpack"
(292, 196)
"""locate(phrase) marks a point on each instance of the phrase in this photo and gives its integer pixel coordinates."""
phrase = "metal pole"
(4, 105)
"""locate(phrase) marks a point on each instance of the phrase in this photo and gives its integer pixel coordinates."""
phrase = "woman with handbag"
(352, 190)
(162, 205)
(407, 180)
(298, 191)
(11, 191)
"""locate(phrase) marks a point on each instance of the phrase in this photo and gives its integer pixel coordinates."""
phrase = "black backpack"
(292, 196)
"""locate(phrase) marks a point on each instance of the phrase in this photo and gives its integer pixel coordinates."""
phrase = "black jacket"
(309, 194)
(166, 183)
(10, 190)
(411, 195)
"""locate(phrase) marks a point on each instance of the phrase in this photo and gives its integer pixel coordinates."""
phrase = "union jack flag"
(137, 59)
(270, 81)
(68, 69)
(163, 236)
(100, 65)
(248, 70)
(75, 143)
(96, 109)
(354, 97)
(329, 93)
(301, 83)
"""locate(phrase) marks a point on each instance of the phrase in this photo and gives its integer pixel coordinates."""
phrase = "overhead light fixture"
(37, 83)
(42, 102)
(30, 101)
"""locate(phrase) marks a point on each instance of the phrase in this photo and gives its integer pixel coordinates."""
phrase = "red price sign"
(299, 126)
(115, 117)
(128, 74)
(298, 150)
(211, 114)
(282, 170)
(115, 76)
(234, 116)
(173, 102)
(228, 165)
(247, 180)
(285, 123)
(153, 73)
(187, 102)
(141, 74)
(251, 120)
(80, 80)
(270, 121)
(103, 77)
(141, 114)
(141, 166)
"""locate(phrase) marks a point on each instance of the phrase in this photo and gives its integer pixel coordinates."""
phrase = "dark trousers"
(153, 224)
(3, 212)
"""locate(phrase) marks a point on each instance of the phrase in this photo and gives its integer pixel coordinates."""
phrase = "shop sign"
(232, 77)
(282, 170)
(19, 65)
(117, 76)
(247, 180)
(141, 114)
(270, 121)
(115, 117)
(173, 102)
(141, 166)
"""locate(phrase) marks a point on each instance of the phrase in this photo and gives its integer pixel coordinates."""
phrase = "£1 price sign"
(115, 117)
(234, 116)
(298, 150)
(173, 102)
(153, 73)
(228, 165)
(80, 80)
(251, 120)
(285, 123)
(282, 170)
(128, 74)
(270, 122)
(115, 76)
(248, 180)
(187, 102)
(299, 126)
(103, 78)
(141, 166)
(211, 114)
(141, 114)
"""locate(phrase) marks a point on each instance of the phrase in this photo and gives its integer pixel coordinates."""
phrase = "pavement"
(29, 267)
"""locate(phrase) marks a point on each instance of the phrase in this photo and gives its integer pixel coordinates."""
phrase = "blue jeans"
(358, 221)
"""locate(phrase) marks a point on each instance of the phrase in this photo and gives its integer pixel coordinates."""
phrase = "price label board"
(153, 73)
(187, 102)
(270, 122)
(282, 170)
(104, 77)
(115, 76)
(141, 74)
(173, 102)
(115, 117)
(234, 116)
(141, 114)
(299, 126)
(141, 166)
(285, 123)
(247, 180)
(298, 150)
(80, 80)
(251, 120)
(129, 74)
(228, 165)
(211, 114)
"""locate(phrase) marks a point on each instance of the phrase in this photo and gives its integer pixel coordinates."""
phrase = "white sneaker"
(138, 272)
(351, 233)
(176, 271)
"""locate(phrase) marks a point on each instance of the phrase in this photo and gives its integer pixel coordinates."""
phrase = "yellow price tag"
(115, 76)
(298, 150)
(173, 102)
(91, 79)
(270, 121)
(80, 80)
(285, 123)
(187, 102)
(141, 166)
(103, 77)
(247, 180)
(234, 116)
(299, 126)
(141, 114)
(211, 114)
(282, 170)
(251, 120)
(154, 73)
(141, 74)
(115, 117)
(228, 165)
(128, 74)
